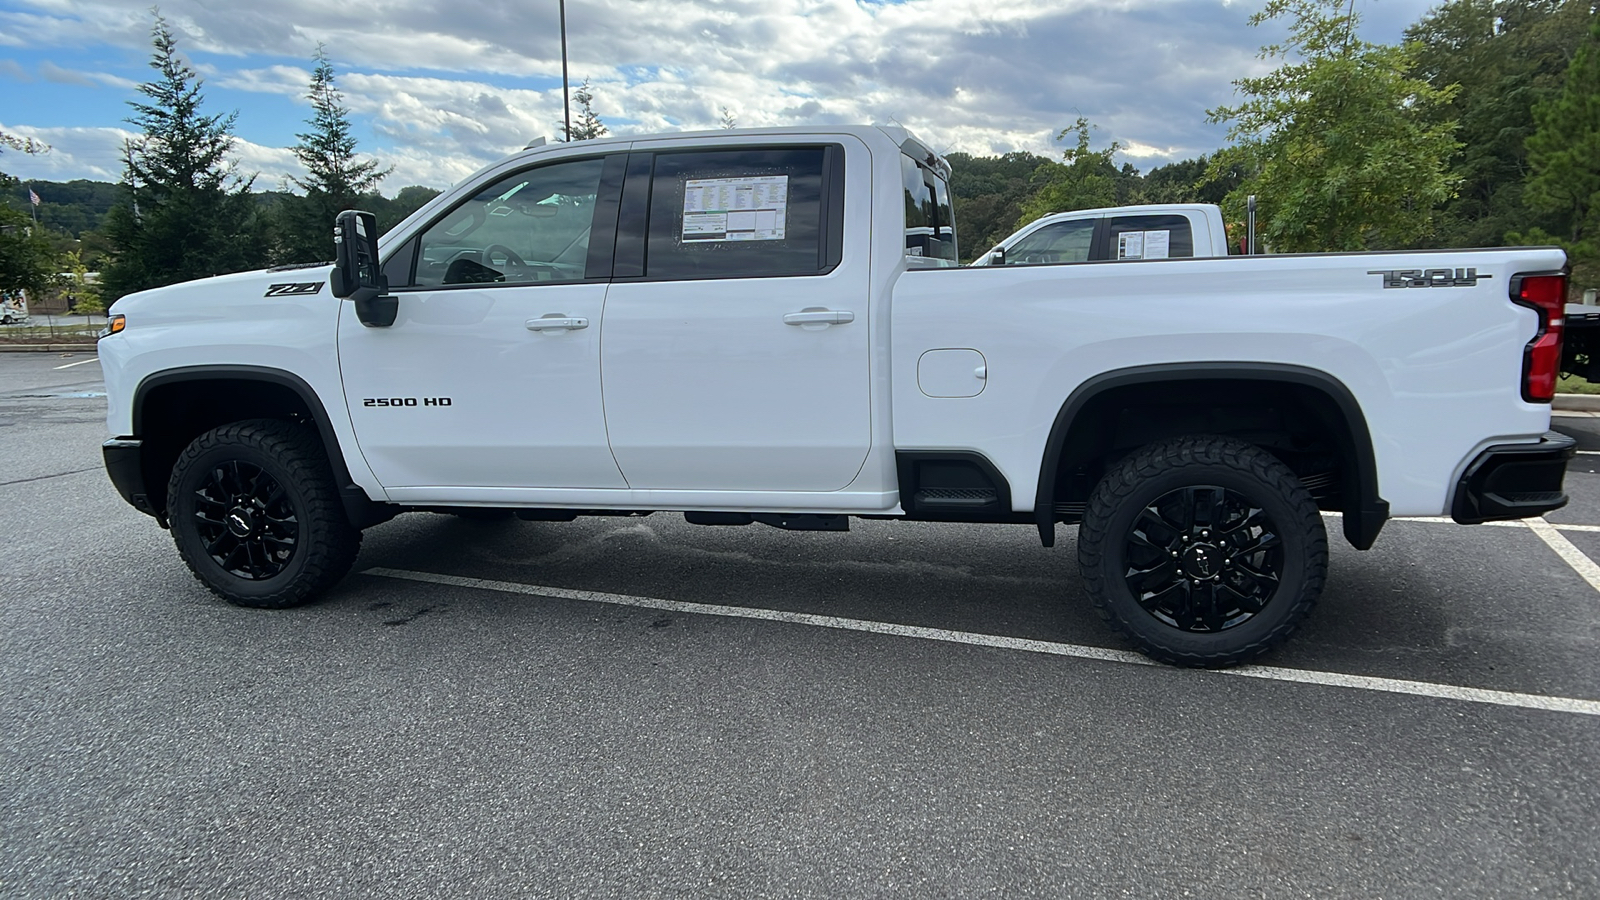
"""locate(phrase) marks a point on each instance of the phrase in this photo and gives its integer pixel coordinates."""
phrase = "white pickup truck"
(1157, 231)
(768, 326)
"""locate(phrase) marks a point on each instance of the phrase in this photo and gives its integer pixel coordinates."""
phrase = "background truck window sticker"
(751, 208)
(1144, 245)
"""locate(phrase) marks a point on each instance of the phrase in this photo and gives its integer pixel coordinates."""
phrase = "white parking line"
(1564, 548)
(81, 362)
(1273, 673)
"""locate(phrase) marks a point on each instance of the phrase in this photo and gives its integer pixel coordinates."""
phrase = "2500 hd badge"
(405, 401)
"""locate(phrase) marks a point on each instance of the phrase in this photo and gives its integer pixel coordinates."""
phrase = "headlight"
(114, 325)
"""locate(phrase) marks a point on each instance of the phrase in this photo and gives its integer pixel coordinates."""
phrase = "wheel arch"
(1363, 509)
(173, 406)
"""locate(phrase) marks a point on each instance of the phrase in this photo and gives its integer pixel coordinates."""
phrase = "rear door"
(736, 340)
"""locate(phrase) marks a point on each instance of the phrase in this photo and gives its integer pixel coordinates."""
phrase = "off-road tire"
(325, 544)
(1244, 471)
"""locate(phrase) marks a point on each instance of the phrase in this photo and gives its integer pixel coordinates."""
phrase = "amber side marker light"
(114, 325)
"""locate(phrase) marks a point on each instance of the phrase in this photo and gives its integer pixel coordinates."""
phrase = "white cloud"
(446, 88)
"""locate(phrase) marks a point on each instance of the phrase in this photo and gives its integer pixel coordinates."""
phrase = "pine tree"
(588, 126)
(185, 212)
(336, 179)
(1564, 154)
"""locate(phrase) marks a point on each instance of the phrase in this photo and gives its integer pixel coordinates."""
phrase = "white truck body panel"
(1437, 372)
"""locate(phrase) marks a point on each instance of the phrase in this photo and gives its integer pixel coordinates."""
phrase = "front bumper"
(125, 464)
(1514, 481)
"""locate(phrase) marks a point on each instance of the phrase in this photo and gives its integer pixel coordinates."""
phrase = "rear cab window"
(1149, 237)
(930, 217)
(741, 213)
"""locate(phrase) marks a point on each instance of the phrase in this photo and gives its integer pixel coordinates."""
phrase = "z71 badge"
(1410, 278)
(289, 290)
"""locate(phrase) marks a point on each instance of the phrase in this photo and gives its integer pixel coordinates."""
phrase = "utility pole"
(566, 102)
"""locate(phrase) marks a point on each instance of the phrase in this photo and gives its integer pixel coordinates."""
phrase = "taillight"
(1541, 361)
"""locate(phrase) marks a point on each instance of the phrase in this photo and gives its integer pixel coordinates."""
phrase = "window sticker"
(1157, 244)
(1144, 245)
(751, 208)
(1130, 245)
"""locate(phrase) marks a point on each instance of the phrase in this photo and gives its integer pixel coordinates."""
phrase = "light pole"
(566, 103)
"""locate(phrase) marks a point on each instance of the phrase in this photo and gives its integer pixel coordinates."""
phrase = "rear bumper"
(125, 464)
(1514, 481)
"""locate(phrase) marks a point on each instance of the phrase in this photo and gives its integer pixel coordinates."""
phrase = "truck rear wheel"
(1202, 551)
(256, 514)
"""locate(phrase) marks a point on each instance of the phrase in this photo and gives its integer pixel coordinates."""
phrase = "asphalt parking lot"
(646, 708)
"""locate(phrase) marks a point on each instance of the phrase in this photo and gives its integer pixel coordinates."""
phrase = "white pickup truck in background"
(1157, 231)
(768, 326)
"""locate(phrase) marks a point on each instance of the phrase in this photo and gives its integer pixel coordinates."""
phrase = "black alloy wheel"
(1203, 558)
(1202, 551)
(246, 520)
(256, 514)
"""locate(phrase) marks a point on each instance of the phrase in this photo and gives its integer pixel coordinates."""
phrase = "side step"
(786, 521)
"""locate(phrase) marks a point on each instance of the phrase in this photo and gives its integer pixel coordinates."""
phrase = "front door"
(490, 375)
(736, 359)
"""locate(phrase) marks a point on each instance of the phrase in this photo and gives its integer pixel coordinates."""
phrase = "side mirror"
(356, 275)
(997, 256)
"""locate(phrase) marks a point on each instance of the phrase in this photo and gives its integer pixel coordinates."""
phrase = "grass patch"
(61, 333)
(1571, 385)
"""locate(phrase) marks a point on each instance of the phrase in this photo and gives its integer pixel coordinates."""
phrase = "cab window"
(743, 213)
(1060, 242)
(1149, 237)
(930, 216)
(529, 227)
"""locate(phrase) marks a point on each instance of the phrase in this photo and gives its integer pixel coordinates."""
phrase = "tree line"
(1481, 128)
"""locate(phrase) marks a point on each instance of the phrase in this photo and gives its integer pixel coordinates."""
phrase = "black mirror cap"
(355, 270)
(997, 256)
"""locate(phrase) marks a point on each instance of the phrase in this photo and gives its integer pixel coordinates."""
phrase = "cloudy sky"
(437, 89)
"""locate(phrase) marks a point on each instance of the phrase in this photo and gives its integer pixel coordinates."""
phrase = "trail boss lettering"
(291, 290)
(1404, 278)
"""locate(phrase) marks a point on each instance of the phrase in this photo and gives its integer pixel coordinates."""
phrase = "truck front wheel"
(256, 514)
(1202, 551)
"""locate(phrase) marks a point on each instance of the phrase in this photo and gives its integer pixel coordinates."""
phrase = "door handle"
(820, 317)
(557, 322)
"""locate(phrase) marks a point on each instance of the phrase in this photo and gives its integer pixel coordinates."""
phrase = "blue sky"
(438, 90)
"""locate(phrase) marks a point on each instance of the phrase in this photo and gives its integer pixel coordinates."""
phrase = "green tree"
(1506, 56)
(75, 281)
(1337, 140)
(989, 192)
(1564, 154)
(336, 178)
(29, 259)
(184, 212)
(588, 126)
(1085, 179)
